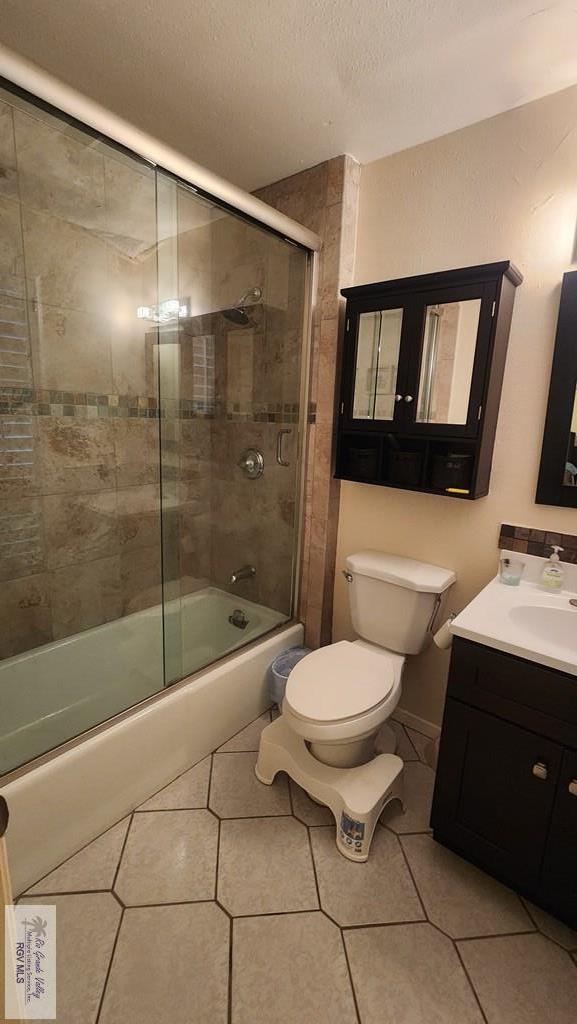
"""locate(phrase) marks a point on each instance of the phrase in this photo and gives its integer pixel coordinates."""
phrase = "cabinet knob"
(398, 398)
(408, 398)
(573, 787)
(539, 770)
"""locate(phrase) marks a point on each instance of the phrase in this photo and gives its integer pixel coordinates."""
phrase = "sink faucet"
(246, 572)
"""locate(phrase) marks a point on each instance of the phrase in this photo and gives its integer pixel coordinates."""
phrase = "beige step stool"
(356, 796)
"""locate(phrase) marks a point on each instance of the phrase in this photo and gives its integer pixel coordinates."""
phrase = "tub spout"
(246, 572)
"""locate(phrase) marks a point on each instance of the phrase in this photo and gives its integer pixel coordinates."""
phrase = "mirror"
(570, 472)
(377, 364)
(448, 355)
(557, 483)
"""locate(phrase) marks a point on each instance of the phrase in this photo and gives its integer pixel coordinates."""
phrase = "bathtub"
(70, 796)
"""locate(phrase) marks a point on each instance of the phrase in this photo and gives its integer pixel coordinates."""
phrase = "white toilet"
(339, 697)
(332, 737)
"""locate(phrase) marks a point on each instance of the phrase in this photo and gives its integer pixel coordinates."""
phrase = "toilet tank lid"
(405, 572)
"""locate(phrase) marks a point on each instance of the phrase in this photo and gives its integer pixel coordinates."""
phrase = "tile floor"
(221, 900)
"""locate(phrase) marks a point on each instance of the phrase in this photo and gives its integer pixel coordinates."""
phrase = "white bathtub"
(67, 687)
(59, 690)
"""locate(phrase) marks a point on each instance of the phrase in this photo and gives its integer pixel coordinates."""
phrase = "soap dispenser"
(553, 572)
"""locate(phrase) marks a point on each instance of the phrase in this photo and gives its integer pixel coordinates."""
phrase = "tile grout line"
(350, 974)
(350, 977)
(129, 815)
(66, 859)
(470, 981)
(171, 783)
(413, 879)
(115, 878)
(312, 856)
(410, 742)
(109, 969)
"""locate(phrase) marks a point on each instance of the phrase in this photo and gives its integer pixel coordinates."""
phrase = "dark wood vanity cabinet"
(506, 787)
(422, 369)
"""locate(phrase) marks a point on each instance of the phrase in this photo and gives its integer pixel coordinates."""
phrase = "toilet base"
(356, 796)
(344, 755)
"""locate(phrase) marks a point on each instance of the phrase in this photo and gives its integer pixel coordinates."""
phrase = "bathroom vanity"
(506, 788)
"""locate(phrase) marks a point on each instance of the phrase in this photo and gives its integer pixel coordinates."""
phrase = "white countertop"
(527, 621)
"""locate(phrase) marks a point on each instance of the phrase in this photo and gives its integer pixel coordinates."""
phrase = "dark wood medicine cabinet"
(422, 370)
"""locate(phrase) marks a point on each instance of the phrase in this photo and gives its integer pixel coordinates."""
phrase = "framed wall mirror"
(557, 484)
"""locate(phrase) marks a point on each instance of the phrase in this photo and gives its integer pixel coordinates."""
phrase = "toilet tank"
(392, 599)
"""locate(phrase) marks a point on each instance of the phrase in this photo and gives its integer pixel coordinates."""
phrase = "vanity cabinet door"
(559, 876)
(494, 792)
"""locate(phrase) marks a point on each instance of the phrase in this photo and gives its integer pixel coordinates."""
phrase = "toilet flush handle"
(348, 575)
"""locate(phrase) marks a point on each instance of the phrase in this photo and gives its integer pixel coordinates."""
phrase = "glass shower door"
(80, 555)
(230, 320)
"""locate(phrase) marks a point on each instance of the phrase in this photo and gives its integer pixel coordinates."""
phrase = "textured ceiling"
(259, 89)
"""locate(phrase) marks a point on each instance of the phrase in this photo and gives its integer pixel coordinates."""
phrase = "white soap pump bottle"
(553, 573)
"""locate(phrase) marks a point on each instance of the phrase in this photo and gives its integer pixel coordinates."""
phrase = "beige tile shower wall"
(505, 188)
(79, 523)
(323, 198)
(257, 368)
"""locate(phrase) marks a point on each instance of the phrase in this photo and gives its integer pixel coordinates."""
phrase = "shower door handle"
(279, 437)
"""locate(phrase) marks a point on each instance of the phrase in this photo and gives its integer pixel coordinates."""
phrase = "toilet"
(338, 698)
(332, 737)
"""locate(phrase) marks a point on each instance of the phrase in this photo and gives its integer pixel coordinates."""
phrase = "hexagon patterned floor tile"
(86, 929)
(522, 979)
(419, 783)
(170, 964)
(307, 810)
(290, 969)
(235, 791)
(188, 792)
(414, 935)
(412, 973)
(459, 898)
(93, 867)
(170, 856)
(553, 928)
(405, 748)
(422, 744)
(377, 892)
(248, 738)
(265, 867)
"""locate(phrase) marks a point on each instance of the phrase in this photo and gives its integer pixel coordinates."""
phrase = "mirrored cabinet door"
(421, 373)
(447, 361)
(570, 467)
(377, 364)
(557, 484)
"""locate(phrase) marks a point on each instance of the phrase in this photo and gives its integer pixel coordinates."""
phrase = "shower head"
(253, 294)
(238, 314)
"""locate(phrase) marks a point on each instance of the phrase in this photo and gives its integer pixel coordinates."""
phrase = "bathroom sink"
(555, 625)
(527, 621)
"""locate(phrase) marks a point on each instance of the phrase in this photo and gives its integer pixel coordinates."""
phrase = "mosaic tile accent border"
(528, 541)
(263, 412)
(90, 405)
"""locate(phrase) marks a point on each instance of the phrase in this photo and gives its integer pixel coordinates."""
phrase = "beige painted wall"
(505, 188)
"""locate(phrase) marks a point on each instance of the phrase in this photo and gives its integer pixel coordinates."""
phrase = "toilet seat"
(320, 703)
(339, 682)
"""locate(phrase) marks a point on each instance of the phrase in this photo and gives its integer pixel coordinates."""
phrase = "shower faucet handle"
(252, 463)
